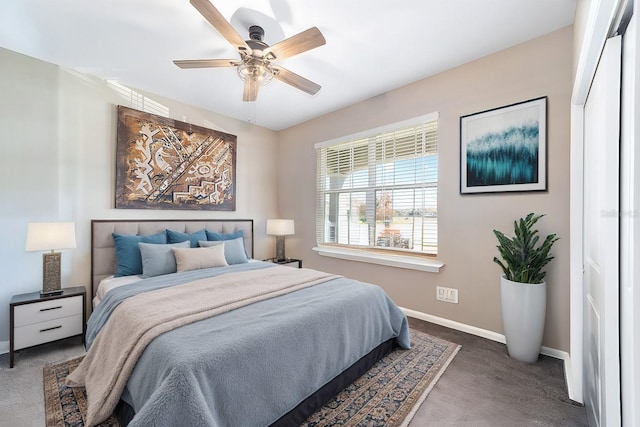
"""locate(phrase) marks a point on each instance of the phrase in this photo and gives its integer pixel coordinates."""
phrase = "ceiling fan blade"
(301, 42)
(205, 63)
(250, 93)
(296, 80)
(218, 21)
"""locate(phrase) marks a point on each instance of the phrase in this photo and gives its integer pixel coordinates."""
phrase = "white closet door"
(601, 239)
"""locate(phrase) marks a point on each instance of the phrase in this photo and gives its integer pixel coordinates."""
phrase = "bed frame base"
(317, 400)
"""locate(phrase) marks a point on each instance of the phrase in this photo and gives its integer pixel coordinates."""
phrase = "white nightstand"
(36, 320)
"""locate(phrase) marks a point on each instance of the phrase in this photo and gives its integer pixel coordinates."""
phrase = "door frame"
(629, 229)
(601, 18)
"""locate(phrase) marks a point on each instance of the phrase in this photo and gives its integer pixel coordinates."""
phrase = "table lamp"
(45, 236)
(280, 228)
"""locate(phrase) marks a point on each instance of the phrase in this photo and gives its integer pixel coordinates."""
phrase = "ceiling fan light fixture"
(255, 70)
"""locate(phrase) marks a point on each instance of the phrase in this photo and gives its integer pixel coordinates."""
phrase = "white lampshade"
(280, 227)
(45, 236)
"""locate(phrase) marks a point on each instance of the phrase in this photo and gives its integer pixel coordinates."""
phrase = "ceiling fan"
(255, 64)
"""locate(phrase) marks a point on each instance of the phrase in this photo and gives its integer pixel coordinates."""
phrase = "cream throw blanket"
(138, 320)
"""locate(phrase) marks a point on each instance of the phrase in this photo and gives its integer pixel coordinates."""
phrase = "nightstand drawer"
(28, 314)
(50, 330)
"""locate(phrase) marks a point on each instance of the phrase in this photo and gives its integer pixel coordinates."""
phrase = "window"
(380, 191)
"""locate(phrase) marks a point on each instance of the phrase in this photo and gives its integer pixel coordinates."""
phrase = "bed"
(242, 342)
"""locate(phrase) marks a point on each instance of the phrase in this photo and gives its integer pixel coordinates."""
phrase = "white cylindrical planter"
(523, 313)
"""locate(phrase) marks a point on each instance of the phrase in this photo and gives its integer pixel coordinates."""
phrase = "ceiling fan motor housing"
(256, 33)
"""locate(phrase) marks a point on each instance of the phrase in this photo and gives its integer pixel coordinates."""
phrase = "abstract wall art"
(504, 149)
(167, 164)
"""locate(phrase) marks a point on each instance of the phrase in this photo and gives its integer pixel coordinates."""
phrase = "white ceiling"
(373, 46)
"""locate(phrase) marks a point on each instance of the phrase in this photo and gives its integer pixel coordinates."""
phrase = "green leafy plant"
(523, 261)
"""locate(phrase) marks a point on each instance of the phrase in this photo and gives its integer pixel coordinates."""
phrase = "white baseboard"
(4, 347)
(494, 336)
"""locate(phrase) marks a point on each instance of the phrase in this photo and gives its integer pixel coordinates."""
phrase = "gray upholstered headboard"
(103, 252)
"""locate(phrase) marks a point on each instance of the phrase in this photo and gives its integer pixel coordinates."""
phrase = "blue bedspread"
(250, 366)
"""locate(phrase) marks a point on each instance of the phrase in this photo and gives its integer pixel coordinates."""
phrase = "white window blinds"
(380, 191)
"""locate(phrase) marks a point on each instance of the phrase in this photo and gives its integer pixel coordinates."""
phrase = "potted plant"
(523, 291)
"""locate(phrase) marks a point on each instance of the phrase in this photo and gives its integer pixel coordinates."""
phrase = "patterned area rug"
(388, 394)
(66, 406)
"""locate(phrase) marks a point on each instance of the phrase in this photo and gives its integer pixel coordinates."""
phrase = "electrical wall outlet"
(447, 294)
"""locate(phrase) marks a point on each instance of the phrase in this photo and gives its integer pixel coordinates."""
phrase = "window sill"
(400, 261)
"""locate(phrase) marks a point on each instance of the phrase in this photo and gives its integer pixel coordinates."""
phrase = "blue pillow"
(159, 259)
(233, 250)
(212, 235)
(128, 258)
(193, 238)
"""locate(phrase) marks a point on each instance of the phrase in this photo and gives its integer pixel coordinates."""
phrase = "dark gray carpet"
(482, 386)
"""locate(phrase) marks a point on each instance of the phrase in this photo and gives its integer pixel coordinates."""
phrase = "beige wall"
(541, 67)
(58, 145)
(58, 163)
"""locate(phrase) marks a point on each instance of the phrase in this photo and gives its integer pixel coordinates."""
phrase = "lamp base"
(280, 248)
(50, 293)
(51, 273)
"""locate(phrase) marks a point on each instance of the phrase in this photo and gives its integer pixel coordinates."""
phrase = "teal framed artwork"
(504, 149)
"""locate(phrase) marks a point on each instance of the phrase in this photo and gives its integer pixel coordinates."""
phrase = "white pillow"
(196, 258)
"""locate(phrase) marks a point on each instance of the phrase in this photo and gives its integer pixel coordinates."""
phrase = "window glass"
(380, 191)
